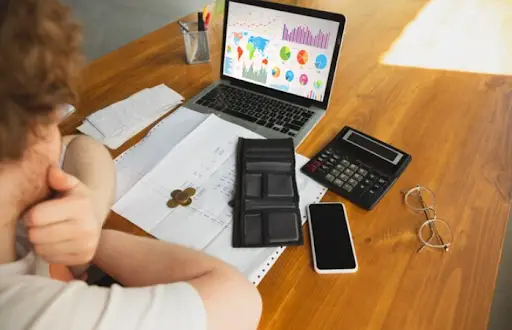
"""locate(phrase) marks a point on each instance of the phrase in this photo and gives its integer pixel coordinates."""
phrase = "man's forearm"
(91, 163)
(139, 261)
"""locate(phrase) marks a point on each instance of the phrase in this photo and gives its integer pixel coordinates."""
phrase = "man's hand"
(66, 229)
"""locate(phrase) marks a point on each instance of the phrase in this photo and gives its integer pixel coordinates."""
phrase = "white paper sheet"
(137, 161)
(130, 111)
(204, 160)
(117, 123)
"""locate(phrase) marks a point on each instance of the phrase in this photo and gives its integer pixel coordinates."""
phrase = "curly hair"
(40, 60)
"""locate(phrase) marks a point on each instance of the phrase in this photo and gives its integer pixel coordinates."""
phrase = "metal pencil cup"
(197, 45)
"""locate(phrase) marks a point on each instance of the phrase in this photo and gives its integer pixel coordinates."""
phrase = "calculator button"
(373, 177)
(320, 159)
(367, 182)
(336, 156)
(338, 182)
(312, 167)
(362, 186)
(358, 177)
(376, 187)
(371, 192)
(353, 167)
(340, 167)
(382, 181)
(362, 171)
(335, 172)
(344, 177)
(352, 182)
(324, 167)
(328, 151)
(332, 160)
(329, 177)
(348, 172)
(348, 187)
(345, 162)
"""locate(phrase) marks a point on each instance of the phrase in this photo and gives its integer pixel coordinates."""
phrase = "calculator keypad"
(349, 177)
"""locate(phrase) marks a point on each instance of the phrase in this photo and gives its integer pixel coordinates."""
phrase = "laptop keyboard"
(264, 111)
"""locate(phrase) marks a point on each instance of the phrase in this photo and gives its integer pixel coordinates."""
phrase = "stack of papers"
(117, 123)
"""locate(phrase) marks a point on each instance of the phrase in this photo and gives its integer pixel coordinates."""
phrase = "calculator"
(357, 167)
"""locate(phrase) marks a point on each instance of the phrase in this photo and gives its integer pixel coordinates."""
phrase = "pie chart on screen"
(303, 79)
(276, 72)
(285, 53)
(302, 57)
(321, 62)
(289, 75)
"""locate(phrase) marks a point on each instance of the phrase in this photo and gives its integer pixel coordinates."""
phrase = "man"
(55, 194)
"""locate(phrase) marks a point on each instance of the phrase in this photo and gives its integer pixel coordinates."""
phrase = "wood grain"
(458, 127)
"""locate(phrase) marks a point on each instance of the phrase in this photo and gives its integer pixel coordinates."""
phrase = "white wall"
(110, 24)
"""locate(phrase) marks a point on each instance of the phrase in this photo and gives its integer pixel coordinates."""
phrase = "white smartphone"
(331, 239)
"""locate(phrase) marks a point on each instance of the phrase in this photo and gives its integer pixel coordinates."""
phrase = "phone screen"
(331, 237)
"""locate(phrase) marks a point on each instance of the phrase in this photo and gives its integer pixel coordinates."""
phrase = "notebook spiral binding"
(121, 156)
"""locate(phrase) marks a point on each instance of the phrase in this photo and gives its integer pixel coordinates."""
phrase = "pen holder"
(197, 45)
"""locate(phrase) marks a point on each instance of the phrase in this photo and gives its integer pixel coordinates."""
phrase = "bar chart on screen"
(314, 96)
(258, 75)
(303, 35)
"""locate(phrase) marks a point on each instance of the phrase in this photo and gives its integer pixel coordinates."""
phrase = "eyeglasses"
(434, 232)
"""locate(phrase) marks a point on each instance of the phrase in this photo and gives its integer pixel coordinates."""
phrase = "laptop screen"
(280, 50)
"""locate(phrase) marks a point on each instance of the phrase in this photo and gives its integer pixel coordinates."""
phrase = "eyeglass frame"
(430, 220)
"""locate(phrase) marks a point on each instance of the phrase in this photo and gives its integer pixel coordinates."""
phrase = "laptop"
(277, 68)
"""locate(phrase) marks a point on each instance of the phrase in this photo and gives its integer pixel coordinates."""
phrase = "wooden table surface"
(457, 125)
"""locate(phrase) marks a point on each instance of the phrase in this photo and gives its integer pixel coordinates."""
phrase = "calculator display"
(374, 147)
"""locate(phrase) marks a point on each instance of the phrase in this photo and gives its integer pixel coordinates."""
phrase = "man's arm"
(91, 163)
(230, 300)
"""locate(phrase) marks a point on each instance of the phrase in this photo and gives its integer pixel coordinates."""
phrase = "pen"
(200, 22)
(183, 26)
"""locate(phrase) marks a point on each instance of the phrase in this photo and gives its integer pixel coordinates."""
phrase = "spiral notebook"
(191, 150)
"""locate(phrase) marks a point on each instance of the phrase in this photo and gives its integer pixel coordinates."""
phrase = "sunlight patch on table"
(459, 35)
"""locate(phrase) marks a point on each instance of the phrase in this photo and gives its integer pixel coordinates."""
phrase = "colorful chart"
(228, 65)
(321, 62)
(256, 44)
(303, 35)
(303, 79)
(289, 75)
(240, 52)
(251, 49)
(302, 57)
(276, 72)
(265, 61)
(318, 84)
(237, 37)
(229, 49)
(285, 53)
(314, 96)
(255, 75)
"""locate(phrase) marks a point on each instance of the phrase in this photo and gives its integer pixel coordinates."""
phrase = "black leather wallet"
(266, 210)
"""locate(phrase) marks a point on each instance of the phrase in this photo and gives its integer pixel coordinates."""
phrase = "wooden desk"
(457, 126)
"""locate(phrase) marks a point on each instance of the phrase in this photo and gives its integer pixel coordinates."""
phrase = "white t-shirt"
(31, 299)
